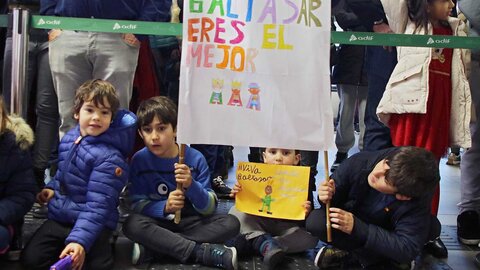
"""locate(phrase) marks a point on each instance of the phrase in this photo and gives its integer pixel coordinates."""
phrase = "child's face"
(280, 156)
(440, 9)
(376, 179)
(94, 120)
(159, 138)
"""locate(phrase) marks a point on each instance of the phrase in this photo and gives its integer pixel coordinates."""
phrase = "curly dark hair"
(96, 91)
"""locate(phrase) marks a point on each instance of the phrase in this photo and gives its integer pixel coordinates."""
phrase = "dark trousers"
(215, 156)
(39, 82)
(380, 65)
(164, 237)
(167, 66)
(47, 243)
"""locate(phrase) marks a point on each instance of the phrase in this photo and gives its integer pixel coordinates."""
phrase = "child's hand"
(183, 175)
(175, 201)
(341, 220)
(45, 196)
(307, 205)
(237, 188)
(78, 255)
(326, 191)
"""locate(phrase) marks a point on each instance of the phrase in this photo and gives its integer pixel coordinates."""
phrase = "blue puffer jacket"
(137, 10)
(91, 174)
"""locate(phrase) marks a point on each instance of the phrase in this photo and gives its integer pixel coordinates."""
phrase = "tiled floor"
(460, 256)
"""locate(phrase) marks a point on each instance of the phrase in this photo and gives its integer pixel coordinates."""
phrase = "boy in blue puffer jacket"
(83, 197)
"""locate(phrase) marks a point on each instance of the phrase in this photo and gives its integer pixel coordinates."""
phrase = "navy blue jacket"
(397, 230)
(17, 182)
(135, 10)
(92, 171)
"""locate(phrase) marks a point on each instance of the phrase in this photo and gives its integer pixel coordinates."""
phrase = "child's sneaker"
(140, 255)
(329, 257)
(220, 188)
(219, 256)
(453, 159)
(272, 253)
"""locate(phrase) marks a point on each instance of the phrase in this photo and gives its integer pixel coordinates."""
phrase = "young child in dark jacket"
(17, 183)
(380, 207)
(83, 196)
(154, 175)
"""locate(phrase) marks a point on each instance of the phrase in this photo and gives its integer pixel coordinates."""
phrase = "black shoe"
(477, 260)
(220, 188)
(272, 253)
(468, 223)
(436, 248)
(340, 157)
(329, 257)
(219, 256)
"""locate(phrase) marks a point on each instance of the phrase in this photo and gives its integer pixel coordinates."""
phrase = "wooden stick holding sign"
(327, 208)
(181, 160)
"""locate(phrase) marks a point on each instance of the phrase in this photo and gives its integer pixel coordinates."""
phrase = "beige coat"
(407, 90)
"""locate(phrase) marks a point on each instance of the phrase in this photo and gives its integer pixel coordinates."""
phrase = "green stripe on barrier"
(3, 20)
(111, 26)
(364, 38)
(171, 29)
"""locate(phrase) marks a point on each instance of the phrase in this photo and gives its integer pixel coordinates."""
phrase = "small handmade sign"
(275, 191)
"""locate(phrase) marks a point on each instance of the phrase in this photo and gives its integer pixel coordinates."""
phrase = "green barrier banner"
(173, 29)
(111, 26)
(364, 38)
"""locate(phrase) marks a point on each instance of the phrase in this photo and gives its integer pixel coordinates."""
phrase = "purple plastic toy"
(63, 264)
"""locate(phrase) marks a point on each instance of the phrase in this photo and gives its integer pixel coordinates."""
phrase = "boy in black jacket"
(380, 207)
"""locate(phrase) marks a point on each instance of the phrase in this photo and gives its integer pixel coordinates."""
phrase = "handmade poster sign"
(256, 73)
(276, 191)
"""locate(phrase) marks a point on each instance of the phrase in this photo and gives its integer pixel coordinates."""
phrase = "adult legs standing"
(380, 64)
(468, 221)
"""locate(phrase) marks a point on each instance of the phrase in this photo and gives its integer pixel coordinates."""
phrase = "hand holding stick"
(181, 160)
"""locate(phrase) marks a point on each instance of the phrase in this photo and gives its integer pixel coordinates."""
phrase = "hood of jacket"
(120, 134)
(23, 132)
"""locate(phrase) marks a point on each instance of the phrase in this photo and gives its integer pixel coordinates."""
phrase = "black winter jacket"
(397, 231)
(17, 183)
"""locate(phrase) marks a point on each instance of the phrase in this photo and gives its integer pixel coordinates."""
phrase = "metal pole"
(20, 39)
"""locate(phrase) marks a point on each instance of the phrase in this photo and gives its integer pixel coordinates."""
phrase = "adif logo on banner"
(438, 41)
(118, 26)
(52, 22)
(355, 38)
